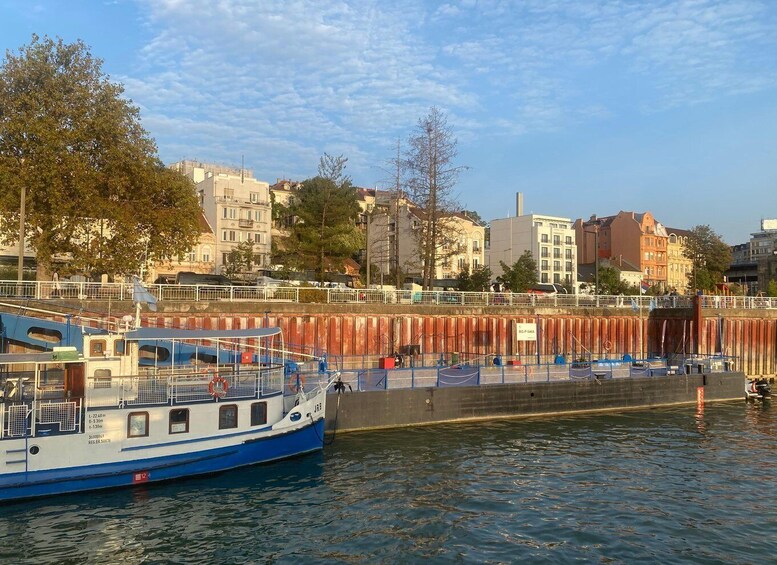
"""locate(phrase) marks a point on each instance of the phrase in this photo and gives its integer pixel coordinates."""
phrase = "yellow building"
(678, 267)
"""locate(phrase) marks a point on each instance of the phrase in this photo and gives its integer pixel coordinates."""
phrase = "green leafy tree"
(73, 150)
(240, 259)
(522, 275)
(477, 281)
(710, 255)
(325, 233)
(771, 288)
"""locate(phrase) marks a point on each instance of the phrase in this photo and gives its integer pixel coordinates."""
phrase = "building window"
(475, 263)
(556, 265)
(206, 254)
(545, 252)
(567, 253)
(544, 278)
(179, 421)
(255, 197)
(569, 265)
(224, 213)
(137, 424)
(556, 240)
(556, 277)
(568, 240)
(544, 238)
(228, 416)
(223, 235)
(544, 265)
(191, 257)
(258, 413)
(229, 193)
(556, 253)
(225, 258)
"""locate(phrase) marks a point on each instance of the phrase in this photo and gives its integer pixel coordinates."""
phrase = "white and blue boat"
(103, 416)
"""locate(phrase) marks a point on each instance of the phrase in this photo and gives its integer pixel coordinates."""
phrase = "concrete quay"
(371, 410)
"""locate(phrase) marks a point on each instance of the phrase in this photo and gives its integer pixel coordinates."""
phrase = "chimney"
(519, 204)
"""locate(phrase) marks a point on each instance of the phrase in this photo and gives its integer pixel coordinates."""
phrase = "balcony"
(245, 223)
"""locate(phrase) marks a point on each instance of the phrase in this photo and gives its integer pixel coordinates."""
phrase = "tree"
(240, 259)
(522, 275)
(326, 232)
(333, 168)
(771, 288)
(96, 195)
(478, 281)
(710, 255)
(432, 178)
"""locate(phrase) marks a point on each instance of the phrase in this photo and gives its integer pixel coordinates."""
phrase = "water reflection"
(659, 485)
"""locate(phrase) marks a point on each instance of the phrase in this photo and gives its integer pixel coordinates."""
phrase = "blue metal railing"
(371, 379)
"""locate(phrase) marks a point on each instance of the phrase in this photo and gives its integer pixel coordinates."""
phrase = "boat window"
(258, 413)
(97, 348)
(179, 421)
(137, 424)
(154, 353)
(102, 378)
(228, 416)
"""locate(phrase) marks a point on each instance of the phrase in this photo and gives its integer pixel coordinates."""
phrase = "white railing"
(45, 290)
(182, 386)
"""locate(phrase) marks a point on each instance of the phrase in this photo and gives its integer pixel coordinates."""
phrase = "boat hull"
(250, 451)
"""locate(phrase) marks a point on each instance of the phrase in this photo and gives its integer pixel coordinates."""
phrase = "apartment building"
(236, 205)
(550, 239)
(678, 266)
(392, 238)
(200, 259)
(637, 238)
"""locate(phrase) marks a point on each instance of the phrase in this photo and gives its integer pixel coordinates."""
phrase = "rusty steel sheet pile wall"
(378, 335)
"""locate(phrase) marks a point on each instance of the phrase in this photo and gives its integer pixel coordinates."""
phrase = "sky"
(586, 107)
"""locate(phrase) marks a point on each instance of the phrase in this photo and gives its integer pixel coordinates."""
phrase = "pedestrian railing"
(44, 290)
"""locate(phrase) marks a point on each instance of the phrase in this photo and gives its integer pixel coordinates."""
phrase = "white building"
(551, 240)
(392, 242)
(236, 205)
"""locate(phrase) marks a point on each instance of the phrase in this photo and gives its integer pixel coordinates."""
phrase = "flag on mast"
(141, 296)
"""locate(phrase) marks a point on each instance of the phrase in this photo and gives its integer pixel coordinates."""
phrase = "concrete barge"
(370, 410)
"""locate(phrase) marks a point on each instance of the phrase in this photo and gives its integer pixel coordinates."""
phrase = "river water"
(657, 486)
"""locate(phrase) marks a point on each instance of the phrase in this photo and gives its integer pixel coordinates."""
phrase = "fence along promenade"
(42, 290)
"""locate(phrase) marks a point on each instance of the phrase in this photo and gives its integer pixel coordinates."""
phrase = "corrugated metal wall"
(752, 340)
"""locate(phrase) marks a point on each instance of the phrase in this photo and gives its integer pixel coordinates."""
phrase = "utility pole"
(20, 268)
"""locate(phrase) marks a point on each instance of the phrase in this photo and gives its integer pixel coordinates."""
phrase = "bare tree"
(429, 162)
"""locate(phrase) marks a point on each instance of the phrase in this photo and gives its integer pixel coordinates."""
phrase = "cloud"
(287, 80)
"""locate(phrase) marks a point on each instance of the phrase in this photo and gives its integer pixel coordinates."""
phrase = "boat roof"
(169, 334)
(47, 357)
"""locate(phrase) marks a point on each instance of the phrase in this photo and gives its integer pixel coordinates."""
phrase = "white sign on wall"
(525, 332)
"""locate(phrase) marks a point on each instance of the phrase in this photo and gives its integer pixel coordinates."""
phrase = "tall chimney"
(519, 204)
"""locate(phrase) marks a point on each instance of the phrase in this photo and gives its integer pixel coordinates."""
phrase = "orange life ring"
(218, 387)
(607, 345)
(293, 379)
